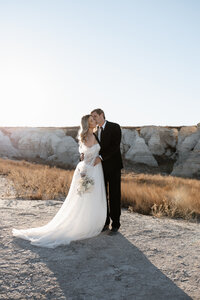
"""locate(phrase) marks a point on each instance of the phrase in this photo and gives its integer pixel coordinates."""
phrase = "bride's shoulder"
(81, 145)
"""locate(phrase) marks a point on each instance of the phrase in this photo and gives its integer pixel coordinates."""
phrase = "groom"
(109, 136)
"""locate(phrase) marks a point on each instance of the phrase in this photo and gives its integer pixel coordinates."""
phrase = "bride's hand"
(97, 161)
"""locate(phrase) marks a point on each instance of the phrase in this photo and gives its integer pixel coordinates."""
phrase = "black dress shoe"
(106, 227)
(113, 231)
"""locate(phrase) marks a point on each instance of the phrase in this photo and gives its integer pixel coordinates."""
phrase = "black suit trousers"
(113, 195)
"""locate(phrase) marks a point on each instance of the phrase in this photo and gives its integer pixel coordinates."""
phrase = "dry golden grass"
(147, 194)
(161, 195)
(35, 181)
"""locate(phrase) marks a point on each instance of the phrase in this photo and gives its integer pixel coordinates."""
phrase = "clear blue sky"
(139, 60)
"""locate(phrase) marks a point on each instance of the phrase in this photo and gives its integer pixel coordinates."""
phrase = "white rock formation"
(190, 167)
(135, 149)
(127, 140)
(138, 146)
(188, 150)
(187, 139)
(6, 147)
(184, 132)
(159, 139)
(47, 144)
(66, 152)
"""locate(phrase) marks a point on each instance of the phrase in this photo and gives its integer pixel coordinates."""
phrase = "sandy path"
(7, 190)
(149, 258)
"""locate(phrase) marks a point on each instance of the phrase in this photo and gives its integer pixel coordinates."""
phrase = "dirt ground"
(150, 258)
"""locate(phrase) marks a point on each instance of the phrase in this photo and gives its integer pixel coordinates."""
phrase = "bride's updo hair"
(83, 129)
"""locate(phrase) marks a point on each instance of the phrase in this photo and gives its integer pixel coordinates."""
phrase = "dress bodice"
(90, 153)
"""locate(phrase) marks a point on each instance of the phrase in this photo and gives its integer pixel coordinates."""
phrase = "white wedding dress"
(82, 215)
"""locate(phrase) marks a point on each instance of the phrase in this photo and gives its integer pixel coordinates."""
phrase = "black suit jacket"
(110, 147)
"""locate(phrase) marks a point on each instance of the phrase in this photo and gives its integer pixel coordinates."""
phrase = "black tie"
(101, 133)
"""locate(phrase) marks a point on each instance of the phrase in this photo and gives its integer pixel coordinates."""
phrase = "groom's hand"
(97, 161)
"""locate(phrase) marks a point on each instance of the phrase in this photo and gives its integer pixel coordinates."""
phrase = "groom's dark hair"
(98, 111)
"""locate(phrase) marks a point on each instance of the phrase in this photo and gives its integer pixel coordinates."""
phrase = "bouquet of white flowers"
(85, 184)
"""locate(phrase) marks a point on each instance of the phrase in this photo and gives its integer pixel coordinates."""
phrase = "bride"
(83, 213)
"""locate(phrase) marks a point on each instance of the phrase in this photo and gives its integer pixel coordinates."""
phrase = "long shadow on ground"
(104, 267)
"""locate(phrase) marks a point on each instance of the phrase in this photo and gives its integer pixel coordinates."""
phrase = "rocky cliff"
(170, 150)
